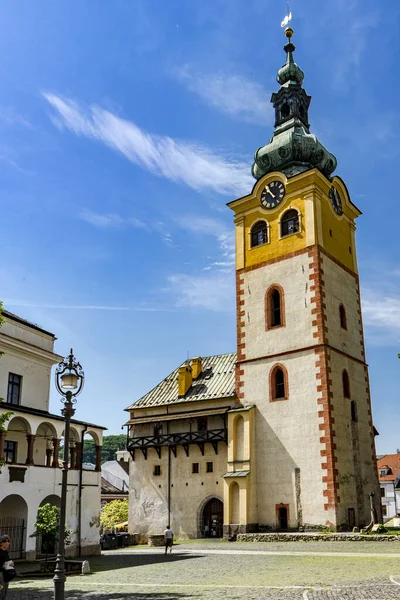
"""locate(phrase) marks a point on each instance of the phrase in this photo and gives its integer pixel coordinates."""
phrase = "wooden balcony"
(172, 440)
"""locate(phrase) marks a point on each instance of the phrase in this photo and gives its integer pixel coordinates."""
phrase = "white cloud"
(147, 307)
(233, 95)
(214, 291)
(180, 161)
(112, 221)
(9, 117)
(382, 312)
(224, 236)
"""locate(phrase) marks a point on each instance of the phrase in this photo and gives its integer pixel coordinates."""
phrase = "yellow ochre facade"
(307, 193)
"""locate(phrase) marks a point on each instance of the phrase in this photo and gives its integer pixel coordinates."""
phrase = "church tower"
(300, 355)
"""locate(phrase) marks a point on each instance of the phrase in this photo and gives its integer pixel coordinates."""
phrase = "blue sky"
(125, 127)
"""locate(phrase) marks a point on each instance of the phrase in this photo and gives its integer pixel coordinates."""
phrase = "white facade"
(390, 500)
(298, 438)
(31, 475)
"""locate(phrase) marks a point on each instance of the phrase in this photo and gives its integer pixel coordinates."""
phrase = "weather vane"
(288, 17)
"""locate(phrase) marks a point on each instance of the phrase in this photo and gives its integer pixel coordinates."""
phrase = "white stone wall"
(148, 494)
(288, 432)
(28, 353)
(40, 484)
(389, 500)
(340, 288)
(355, 459)
(293, 275)
(27, 335)
(287, 437)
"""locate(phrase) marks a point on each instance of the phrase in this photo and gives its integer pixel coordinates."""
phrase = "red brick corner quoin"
(323, 370)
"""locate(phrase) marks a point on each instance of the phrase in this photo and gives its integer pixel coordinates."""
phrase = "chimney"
(184, 380)
(196, 367)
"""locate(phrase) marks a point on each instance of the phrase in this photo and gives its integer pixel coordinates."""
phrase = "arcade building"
(279, 435)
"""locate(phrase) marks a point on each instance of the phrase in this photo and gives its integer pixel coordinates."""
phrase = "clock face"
(336, 200)
(272, 194)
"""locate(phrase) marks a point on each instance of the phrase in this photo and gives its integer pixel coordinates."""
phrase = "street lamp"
(69, 383)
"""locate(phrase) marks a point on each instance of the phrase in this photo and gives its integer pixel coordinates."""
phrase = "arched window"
(346, 384)
(278, 383)
(259, 234)
(354, 415)
(343, 319)
(274, 307)
(239, 439)
(289, 222)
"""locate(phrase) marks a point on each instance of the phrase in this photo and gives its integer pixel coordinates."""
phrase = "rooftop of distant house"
(389, 467)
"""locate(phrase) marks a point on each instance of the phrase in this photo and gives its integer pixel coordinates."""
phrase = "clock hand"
(269, 192)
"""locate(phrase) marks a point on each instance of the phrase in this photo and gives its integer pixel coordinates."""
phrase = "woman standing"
(4, 558)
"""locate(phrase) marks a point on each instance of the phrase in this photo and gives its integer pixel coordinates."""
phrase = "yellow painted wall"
(247, 495)
(308, 193)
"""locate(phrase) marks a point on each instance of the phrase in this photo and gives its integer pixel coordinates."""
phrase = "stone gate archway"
(210, 517)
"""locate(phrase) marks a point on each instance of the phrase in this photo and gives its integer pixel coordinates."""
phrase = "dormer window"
(259, 234)
(385, 471)
(290, 222)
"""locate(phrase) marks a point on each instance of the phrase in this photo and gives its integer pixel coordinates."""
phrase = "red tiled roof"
(391, 461)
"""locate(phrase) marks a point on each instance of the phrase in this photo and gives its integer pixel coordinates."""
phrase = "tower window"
(157, 470)
(346, 384)
(259, 234)
(278, 383)
(210, 467)
(354, 415)
(290, 222)
(285, 110)
(274, 307)
(195, 467)
(342, 315)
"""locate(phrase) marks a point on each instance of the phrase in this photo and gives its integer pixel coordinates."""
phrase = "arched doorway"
(13, 518)
(213, 519)
(44, 547)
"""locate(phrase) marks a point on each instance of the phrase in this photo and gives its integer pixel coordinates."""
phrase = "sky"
(126, 127)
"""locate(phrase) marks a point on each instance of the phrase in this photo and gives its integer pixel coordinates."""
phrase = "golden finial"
(289, 32)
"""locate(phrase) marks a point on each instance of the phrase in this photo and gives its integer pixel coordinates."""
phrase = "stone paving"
(222, 571)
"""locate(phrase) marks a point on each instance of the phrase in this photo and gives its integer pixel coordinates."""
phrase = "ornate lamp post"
(69, 382)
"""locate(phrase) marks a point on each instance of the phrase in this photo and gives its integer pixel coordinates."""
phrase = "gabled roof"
(392, 462)
(216, 380)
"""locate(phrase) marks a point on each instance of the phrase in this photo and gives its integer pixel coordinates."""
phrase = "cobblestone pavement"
(221, 571)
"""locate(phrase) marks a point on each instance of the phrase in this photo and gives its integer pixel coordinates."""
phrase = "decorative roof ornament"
(292, 149)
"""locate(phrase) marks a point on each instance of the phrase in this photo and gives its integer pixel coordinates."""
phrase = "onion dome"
(292, 149)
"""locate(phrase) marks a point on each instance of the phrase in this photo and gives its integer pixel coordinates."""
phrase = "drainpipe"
(169, 478)
(84, 430)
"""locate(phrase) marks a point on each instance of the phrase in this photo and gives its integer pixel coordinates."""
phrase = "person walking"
(169, 539)
(4, 562)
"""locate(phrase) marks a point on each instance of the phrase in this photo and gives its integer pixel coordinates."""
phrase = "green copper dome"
(292, 149)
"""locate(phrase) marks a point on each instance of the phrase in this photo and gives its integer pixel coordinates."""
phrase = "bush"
(113, 513)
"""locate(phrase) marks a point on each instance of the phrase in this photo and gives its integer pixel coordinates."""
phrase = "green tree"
(113, 513)
(47, 526)
(111, 443)
(4, 417)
